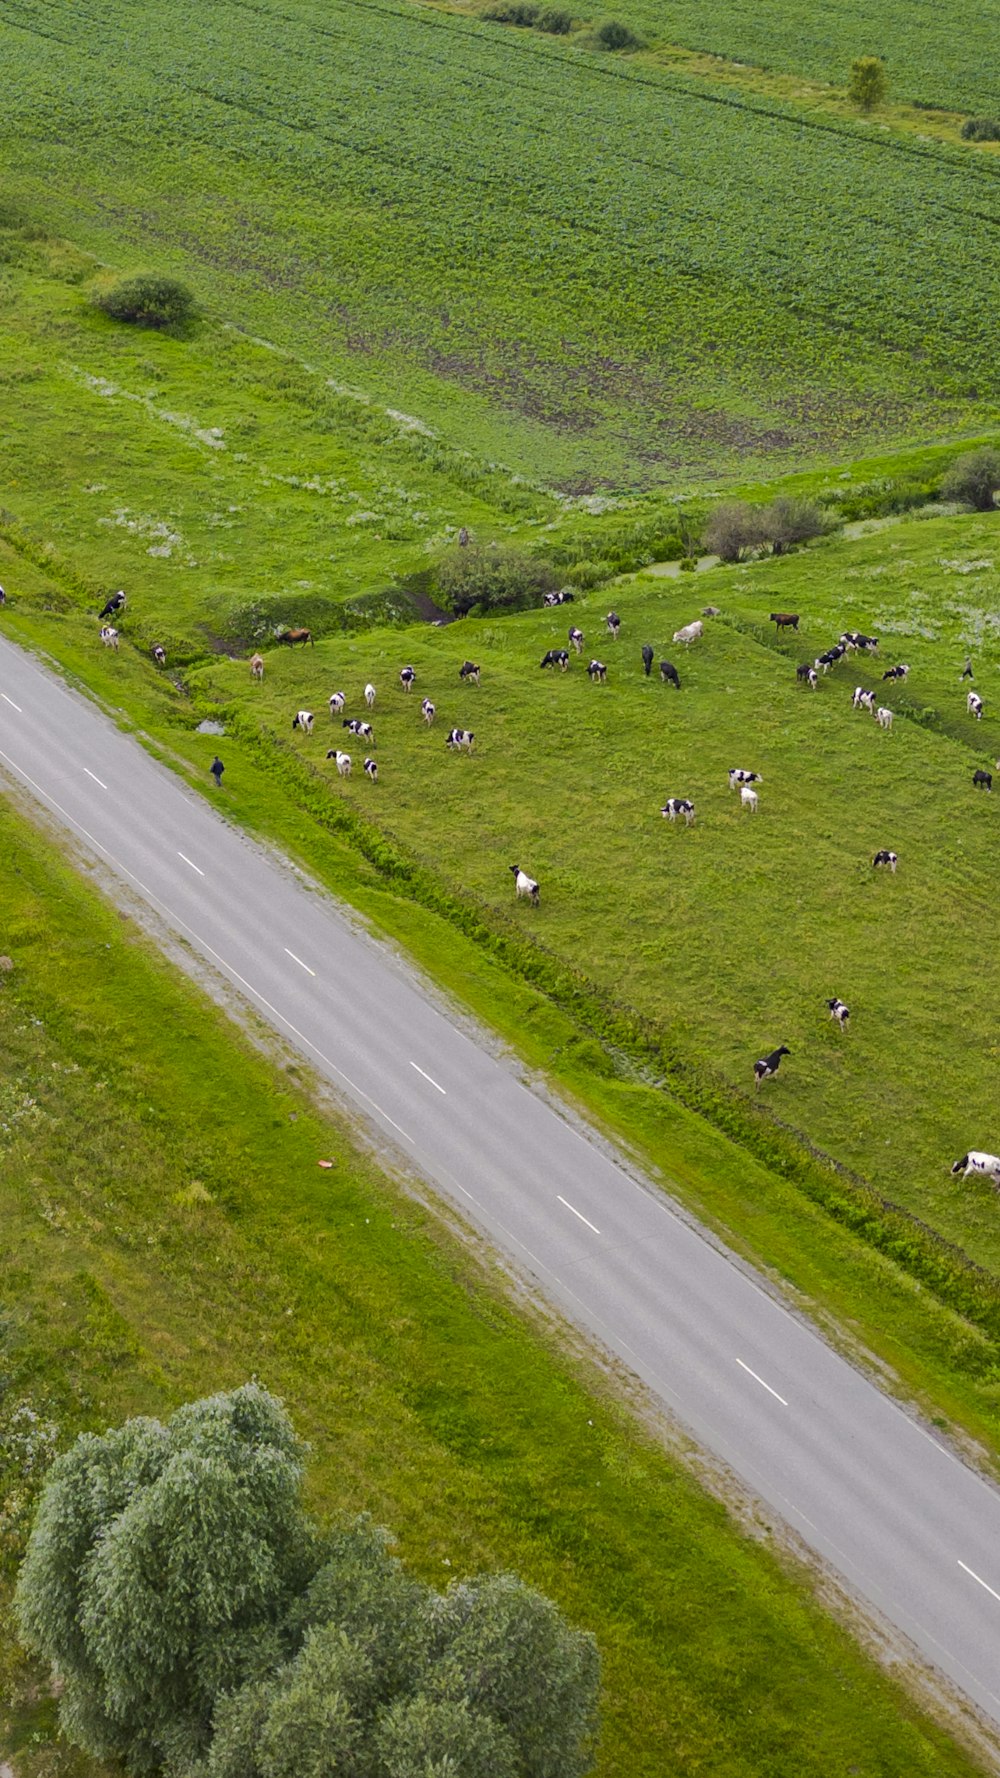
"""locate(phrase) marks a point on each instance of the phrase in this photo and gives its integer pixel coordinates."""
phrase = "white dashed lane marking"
(11, 702)
(979, 1578)
(760, 1380)
(577, 1212)
(191, 862)
(96, 779)
(299, 961)
(428, 1077)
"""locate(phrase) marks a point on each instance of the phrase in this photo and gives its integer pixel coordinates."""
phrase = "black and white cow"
(885, 860)
(337, 702)
(343, 761)
(983, 780)
(371, 770)
(979, 1165)
(769, 1065)
(647, 659)
(460, 737)
(303, 719)
(830, 657)
(840, 1012)
(899, 672)
(806, 675)
(863, 700)
(598, 672)
(109, 636)
(555, 657)
(738, 777)
(406, 677)
(678, 805)
(117, 602)
(468, 672)
(670, 675)
(614, 624)
(159, 654)
(428, 711)
(525, 886)
(974, 705)
(362, 729)
(576, 638)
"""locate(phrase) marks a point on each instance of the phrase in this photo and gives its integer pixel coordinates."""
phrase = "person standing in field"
(217, 768)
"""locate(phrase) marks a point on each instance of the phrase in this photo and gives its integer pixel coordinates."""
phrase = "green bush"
(974, 479)
(788, 521)
(492, 577)
(868, 84)
(612, 34)
(511, 12)
(981, 129)
(687, 564)
(148, 300)
(554, 20)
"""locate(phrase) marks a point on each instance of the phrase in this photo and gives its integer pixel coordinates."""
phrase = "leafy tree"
(148, 300)
(788, 521)
(733, 530)
(203, 1627)
(161, 1565)
(493, 577)
(869, 84)
(974, 479)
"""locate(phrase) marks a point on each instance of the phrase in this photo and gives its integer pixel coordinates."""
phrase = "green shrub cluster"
(492, 577)
(553, 19)
(981, 129)
(148, 300)
(737, 529)
(612, 34)
(203, 1626)
(974, 479)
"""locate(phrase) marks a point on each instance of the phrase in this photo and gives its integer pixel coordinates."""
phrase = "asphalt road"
(908, 1526)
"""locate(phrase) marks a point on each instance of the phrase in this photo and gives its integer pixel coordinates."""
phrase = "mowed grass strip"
(166, 1231)
(733, 933)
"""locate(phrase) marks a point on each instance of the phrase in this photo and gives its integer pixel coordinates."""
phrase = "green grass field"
(185, 1239)
(732, 934)
(597, 271)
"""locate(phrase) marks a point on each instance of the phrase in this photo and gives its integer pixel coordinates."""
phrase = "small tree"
(974, 479)
(493, 577)
(733, 530)
(147, 301)
(868, 84)
(612, 34)
(981, 129)
(788, 521)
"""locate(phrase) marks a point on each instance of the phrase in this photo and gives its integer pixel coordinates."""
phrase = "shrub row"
(626, 1035)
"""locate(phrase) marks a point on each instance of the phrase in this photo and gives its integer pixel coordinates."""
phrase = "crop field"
(938, 55)
(733, 933)
(186, 1239)
(593, 270)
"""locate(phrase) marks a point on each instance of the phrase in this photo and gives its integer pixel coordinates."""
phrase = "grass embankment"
(569, 268)
(166, 1231)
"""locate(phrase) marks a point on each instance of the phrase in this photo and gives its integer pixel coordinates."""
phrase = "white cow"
(109, 637)
(982, 1166)
(748, 797)
(690, 632)
(883, 716)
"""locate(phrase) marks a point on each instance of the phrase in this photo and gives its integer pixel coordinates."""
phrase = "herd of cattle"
(974, 1163)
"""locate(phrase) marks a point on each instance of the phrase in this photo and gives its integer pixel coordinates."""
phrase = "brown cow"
(293, 636)
(257, 666)
(785, 620)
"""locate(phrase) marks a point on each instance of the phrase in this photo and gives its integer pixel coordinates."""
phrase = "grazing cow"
(370, 695)
(294, 636)
(598, 672)
(303, 719)
(117, 602)
(738, 776)
(983, 780)
(524, 885)
(885, 858)
(460, 737)
(406, 678)
(428, 711)
(565, 597)
(670, 675)
(839, 1012)
(647, 659)
(337, 702)
(363, 730)
(371, 769)
(576, 638)
(256, 666)
(614, 624)
(710, 611)
(784, 620)
(690, 632)
(109, 637)
(469, 672)
(556, 657)
(863, 700)
(678, 805)
(967, 672)
(748, 797)
(807, 675)
(899, 672)
(883, 716)
(980, 1165)
(974, 705)
(159, 654)
(463, 537)
(343, 761)
(3, 596)
(868, 644)
(831, 657)
(769, 1065)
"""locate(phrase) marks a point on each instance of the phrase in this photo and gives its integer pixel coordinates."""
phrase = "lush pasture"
(733, 933)
(598, 271)
(185, 1239)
